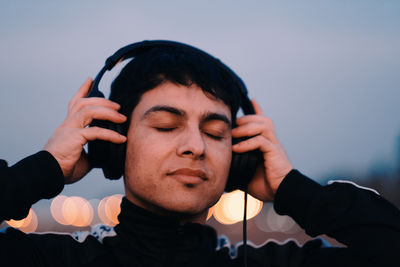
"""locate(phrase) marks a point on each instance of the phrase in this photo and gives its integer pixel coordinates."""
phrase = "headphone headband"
(138, 48)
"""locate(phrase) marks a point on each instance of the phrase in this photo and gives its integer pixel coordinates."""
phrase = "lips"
(189, 176)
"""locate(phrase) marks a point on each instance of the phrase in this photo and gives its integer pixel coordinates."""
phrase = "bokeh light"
(113, 208)
(109, 208)
(27, 225)
(56, 209)
(101, 212)
(77, 211)
(270, 221)
(74, 210)
(229, 209)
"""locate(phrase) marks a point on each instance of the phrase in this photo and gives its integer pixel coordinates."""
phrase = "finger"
(82, 92)
(93, 101)
(257, 142)
(249, 118)
(257, 107)
(94, 133)
(85, 116)
(255, 118)
(253, 129)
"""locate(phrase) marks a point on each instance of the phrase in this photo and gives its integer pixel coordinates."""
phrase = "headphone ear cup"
(243, 168)
(106, 155)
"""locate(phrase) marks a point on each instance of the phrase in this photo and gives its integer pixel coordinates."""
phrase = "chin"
(179, 200)
(190, 204)
(185, 206)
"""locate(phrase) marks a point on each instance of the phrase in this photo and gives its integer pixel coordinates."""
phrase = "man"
(178, 110)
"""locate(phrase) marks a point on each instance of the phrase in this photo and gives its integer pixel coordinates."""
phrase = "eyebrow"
(216, 116)
(209, 116)
(169, 109)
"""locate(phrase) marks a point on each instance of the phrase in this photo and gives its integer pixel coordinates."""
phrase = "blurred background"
(326, 72)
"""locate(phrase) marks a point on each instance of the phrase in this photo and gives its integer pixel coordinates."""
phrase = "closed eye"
(164, 129)
(215, 137)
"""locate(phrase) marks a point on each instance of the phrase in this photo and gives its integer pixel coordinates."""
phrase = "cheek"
(221, 159)
(137, 154)
(144, 155)
(140, 169)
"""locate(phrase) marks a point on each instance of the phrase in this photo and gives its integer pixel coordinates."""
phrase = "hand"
(66, 143)
(275, 165)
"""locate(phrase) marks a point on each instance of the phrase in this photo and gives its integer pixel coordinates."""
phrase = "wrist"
(275, 183)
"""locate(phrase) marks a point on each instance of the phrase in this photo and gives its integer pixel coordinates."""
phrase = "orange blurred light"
(32, 225)
(113, 208)
(77, 211)
(85, 216)
(70, 209)
(101, 212)
(56, 209)
(229, 209)
(16, 223)
(28, 224)
(219, 212)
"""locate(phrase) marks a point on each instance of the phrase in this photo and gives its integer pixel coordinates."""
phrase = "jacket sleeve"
(23, 184)
(359, 218)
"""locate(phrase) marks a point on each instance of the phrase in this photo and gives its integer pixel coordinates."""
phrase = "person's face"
(179, 150)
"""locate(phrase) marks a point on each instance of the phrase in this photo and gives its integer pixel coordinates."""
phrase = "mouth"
(189, 176)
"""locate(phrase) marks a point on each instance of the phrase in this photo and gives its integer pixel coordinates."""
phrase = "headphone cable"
(245, 229)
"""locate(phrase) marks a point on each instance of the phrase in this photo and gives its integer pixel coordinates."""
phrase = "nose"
(191, 144)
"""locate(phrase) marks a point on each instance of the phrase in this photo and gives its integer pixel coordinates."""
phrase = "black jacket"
(367, 224)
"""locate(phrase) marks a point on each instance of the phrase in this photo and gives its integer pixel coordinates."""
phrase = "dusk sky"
(326, 72)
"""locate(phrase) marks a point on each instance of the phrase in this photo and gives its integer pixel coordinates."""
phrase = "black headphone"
(111, 157)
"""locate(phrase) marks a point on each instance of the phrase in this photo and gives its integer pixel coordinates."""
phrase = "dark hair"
(178, 65)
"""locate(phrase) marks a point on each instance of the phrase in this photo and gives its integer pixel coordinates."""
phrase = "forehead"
(191, 99)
